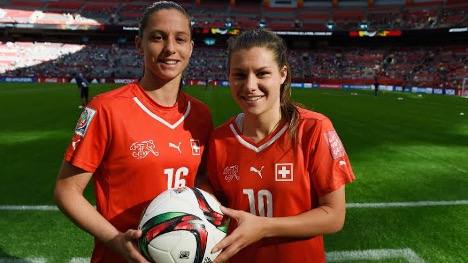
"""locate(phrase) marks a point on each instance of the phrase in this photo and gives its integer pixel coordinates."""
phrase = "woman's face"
(255, 80)
(166, 44)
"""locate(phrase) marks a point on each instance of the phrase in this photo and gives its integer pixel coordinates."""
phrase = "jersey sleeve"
(330, 166)
(90, 138)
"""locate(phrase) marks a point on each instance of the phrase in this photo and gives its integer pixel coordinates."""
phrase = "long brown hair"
(265, 38)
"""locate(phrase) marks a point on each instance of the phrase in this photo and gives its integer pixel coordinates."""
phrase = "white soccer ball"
(182, 225)
(461, 113)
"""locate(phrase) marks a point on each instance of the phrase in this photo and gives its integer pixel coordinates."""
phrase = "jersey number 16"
(174, 179)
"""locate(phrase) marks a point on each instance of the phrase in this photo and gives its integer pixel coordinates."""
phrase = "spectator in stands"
(121, 140)
(83, 86)
(288, 160)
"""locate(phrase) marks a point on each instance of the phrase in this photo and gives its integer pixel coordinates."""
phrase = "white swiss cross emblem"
(195, 145)
(284, 172)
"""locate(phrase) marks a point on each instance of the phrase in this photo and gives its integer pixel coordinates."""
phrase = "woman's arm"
(69, 198)
(327, 218)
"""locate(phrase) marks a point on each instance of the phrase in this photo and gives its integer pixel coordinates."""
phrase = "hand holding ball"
(182, 225)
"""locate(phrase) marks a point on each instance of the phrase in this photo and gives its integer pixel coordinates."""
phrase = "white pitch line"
(406, 204)
(349, 205)
(23, 260)
(374, 254)
(336, 256)
(29, 207)
(80, 260)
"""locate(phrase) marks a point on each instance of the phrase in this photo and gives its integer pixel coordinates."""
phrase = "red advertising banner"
(377, 33)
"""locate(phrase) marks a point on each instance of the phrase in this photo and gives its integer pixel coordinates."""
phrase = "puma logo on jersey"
(342, 163)
(141, 149)
(230, 173)
(171, 145)
(74, 144)
(259, 172)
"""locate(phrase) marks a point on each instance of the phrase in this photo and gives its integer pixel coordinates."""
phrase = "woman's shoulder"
(196, 102)
(227, 126)
(312, 121)
(113, 98)
(307, 114)
(122, 91)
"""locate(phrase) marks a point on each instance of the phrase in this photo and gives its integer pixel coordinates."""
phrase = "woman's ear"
(138, 45)
(284, 74)
(191, 49)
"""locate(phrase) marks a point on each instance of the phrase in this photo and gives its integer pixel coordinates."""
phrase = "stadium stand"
(431, 66)
(386, 17)
(421, 67)
(210, 13)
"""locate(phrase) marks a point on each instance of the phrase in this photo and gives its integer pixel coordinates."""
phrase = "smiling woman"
(125, 139)
(302, 166)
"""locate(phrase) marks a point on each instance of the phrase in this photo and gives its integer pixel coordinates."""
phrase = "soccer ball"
(182, 225)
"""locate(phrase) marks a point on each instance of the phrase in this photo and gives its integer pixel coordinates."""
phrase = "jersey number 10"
(261, 204)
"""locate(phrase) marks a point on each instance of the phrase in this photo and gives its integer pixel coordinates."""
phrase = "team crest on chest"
(141, 149)
(284, 172)
(231, 172)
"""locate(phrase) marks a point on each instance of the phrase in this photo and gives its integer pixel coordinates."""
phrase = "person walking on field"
(83, 86)
(279, 169)
(376, 87)
(136, 141)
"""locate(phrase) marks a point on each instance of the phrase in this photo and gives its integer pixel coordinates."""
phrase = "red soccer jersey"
(272, 178)
(136, 150)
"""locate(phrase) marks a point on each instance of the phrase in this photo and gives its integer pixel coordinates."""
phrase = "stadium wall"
(301, 85)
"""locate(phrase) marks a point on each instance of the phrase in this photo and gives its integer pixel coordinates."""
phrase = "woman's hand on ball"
(126, 245)
(250, 228)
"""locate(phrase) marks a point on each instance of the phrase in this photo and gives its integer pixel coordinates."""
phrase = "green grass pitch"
(409, 153)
